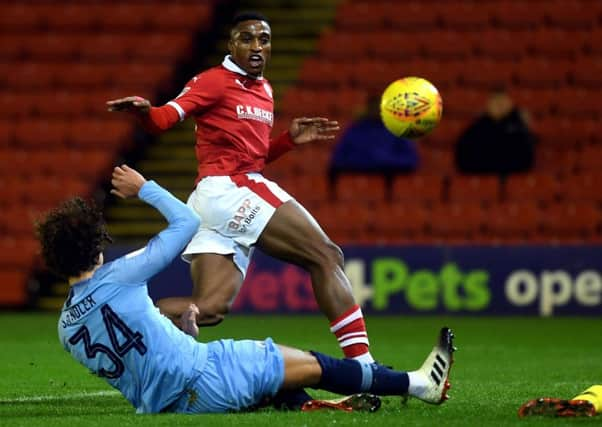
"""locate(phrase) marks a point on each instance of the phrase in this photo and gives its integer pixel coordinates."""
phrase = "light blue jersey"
(111, 326)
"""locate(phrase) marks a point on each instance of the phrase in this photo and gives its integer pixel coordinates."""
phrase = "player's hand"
(188, 321)
(127, 181)
(130, 104)
(304, 129)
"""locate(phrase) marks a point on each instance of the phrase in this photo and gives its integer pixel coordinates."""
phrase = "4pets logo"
(244, 216)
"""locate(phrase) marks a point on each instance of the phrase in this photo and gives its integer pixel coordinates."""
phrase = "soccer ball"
(411, 107)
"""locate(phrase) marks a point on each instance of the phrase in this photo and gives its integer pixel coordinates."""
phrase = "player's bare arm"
(131, 104)
(127, 181)
(309, 129)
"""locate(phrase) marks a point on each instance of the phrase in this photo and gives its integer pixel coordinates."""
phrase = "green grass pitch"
(500, 363)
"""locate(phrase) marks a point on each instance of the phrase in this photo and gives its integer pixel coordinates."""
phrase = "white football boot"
(432, 379)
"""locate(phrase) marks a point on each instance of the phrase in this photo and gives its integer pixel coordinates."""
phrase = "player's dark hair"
(72, 236)
(248, 16)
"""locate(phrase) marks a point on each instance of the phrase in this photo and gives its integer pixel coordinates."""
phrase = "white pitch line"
(49, 398)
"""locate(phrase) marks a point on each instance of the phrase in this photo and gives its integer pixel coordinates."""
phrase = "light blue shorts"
(237, 376)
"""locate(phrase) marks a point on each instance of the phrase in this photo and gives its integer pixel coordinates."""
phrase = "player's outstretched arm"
(130, 104)
(165, 246)
(308, 129)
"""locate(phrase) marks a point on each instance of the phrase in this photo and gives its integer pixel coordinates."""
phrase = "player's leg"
(293, 235)
(347, 376)
(216, 282)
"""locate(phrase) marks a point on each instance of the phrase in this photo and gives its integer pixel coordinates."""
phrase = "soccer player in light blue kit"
(110, 325)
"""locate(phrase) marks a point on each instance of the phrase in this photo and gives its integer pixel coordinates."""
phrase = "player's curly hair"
(72, 236)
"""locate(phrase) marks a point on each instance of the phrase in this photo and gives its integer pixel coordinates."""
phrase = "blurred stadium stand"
(59, 63)
(329, 57)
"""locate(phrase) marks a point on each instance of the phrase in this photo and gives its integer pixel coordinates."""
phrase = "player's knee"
(328, 255)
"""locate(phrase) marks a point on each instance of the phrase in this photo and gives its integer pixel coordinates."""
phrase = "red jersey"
(234, 114)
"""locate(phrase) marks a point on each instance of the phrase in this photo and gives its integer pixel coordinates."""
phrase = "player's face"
(250, 46)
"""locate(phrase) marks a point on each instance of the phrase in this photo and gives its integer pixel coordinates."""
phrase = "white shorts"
(234, 211)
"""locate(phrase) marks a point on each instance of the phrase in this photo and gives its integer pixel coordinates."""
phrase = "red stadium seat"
(22, 17)
(41, 190)
(586, 72)
(7, 130)
(344, 222)
(583, 187)
(574, 15)
(445, 44)
(556, 160)
(63, 103)
(464, 103)
(457, 220)
(555, 132)
(440, 161)
(593, 43)
(184, 17)
(145, 74)
(578, 103)
(443, 138)
(347, 102)
(374, 75)
(343, 46)
(13, 162)
(10, 187)
(501, 44)
(365, 15)
(12, 47)
(126, 16)
(400, 221)
(105, 47)
(18, 252)
(96, 133)
(157, 47)
(443, 74)
(74, 17)
(17, 220)
(411, 16)
(14, 286)
(86, 75)
(367, 188)
(53, 47)
(538, 102)
(590, 158)
(487, 72)
(541, 73)
(311, 191)
(480, 189)
(556, 43)
(539, 187)
(378, 45)
(29, 75)
(323, 72)
(301, 102)
(41, 133)
(417, 189)
(516, 15)
(464, 16)
(575, 221)
(514, 220)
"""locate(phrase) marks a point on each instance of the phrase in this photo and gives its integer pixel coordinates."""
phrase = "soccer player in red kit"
(232, 106)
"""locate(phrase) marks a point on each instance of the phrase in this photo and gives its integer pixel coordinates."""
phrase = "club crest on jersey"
(254, 113)
(268, 89)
